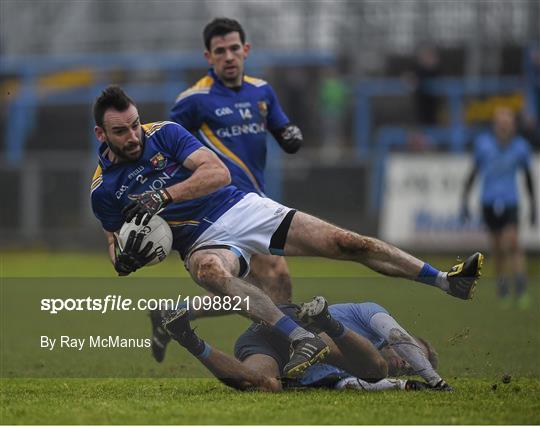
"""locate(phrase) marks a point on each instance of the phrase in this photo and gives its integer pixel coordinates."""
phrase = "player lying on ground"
(366, 344)
(161, 167)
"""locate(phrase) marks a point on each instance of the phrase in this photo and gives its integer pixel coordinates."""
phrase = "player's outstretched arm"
(224, 367)
(236, 375)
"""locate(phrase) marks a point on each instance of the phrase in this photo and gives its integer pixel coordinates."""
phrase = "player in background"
(161, 168)
(498, 157)
(367, 344)
(231, 113)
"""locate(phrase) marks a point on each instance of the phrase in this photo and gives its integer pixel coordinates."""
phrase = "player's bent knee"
(209, 269)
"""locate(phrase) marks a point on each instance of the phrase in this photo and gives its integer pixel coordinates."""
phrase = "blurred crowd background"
(364, 80)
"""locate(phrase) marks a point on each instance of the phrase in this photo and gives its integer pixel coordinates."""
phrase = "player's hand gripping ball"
(143, 206)
(141, 245)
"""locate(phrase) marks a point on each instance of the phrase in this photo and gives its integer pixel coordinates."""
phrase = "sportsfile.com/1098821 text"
(111, 303)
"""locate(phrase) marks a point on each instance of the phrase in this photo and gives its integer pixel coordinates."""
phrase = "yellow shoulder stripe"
(205, 82)
(255, 81)
(96, 184)
(151, 128)
(97, 179)
(202, 86)
(97, 173)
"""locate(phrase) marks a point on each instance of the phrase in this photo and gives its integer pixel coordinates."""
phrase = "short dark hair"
(221, 27)
(112, 96)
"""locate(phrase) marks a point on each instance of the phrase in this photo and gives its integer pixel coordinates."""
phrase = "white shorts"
(252, 226)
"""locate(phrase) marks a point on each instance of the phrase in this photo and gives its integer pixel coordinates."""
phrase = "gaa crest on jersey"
(263, 108)
(158, 162)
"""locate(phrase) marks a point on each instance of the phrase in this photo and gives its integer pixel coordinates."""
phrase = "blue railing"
(453, 89)
(376, 144)
(372, 144)
(23, 104)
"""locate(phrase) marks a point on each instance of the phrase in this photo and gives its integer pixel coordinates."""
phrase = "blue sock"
(291, 330)
(428, 275)
(285, 325)
(193, 344)
(206, 351)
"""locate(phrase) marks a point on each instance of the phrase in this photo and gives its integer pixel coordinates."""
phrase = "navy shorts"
(497, 219)
(260, 339)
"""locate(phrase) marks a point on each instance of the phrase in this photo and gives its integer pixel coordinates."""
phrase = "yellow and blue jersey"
(498, 166)
(233, 123)
(166, 145)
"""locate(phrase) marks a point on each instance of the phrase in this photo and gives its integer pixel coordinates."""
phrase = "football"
(156, 231)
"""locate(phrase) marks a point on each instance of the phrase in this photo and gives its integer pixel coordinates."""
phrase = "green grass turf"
(478, 342)
(173, 401)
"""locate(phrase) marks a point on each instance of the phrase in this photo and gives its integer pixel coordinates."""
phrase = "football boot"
(463, 277)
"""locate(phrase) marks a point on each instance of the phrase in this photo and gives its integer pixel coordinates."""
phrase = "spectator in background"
(498, 156)
(427, 67)
(333, 102)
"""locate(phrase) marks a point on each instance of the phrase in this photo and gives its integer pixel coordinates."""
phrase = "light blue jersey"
(357, 318)
(233, 123)
(498, 166)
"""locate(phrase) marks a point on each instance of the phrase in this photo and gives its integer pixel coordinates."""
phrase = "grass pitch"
(478, 344)
(203, 401)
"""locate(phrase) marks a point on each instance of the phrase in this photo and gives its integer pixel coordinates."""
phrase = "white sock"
(442, 281)
(291, 329)
(299, 334)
